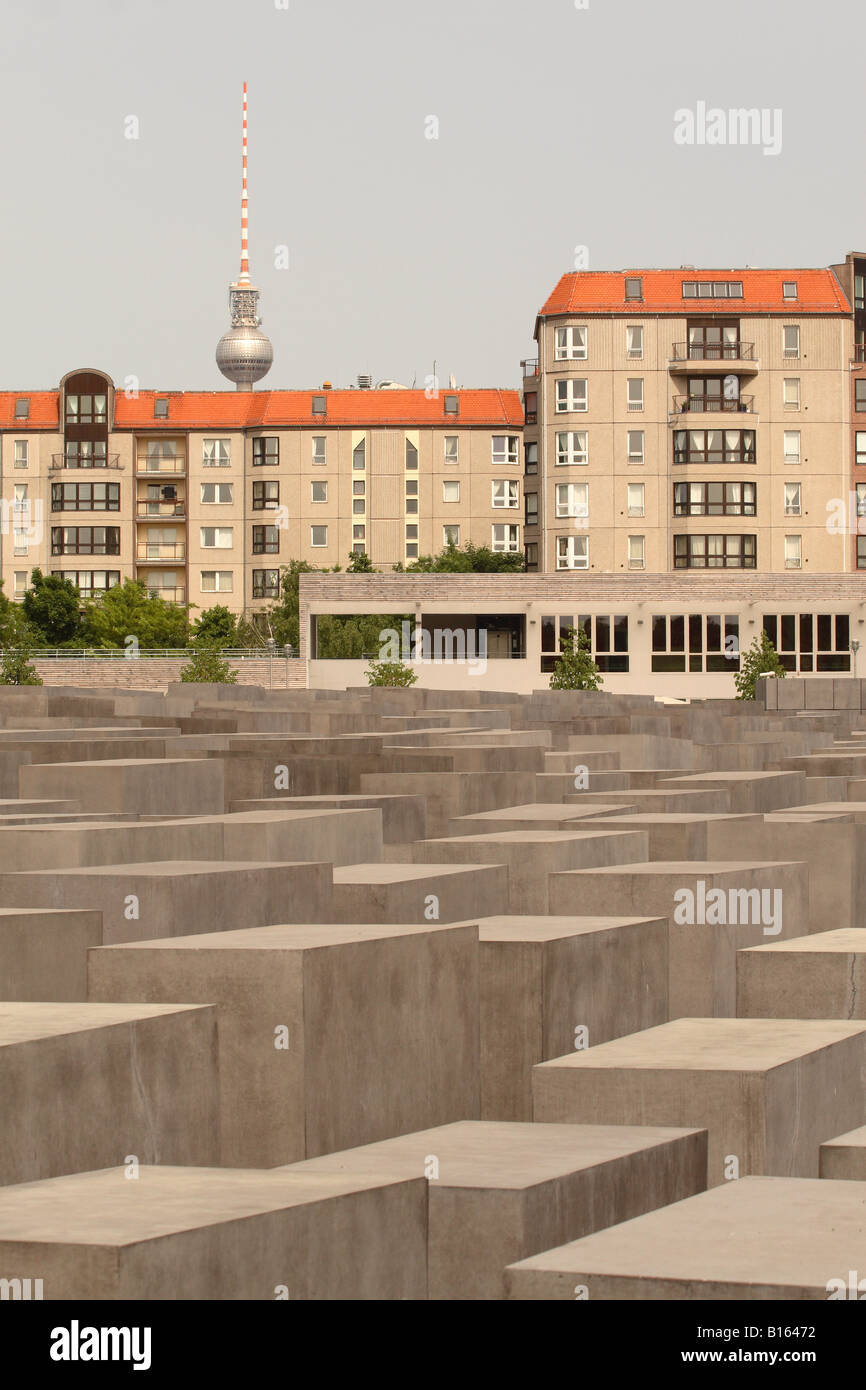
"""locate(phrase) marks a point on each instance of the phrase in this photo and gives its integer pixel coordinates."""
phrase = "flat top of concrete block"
(756, 1231)
(686, 868)
(27, 1022)
(165, 868)
(753, 775)
(639, 818)
(533, 810)
(853, 1139)
(17, 912)
(712, 1044)
(494, 1154)
(552, 928)
(290, 936)
(361, 800)
(848, 807)
(798, 818)
(843, 941)
(104, 1208)
(137, 762)
(523, 837)
(402, 873)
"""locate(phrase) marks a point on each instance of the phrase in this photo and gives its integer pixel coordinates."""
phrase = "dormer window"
(789, 289)
(452, 405)
(633, 287)
(320, 405)
(160, 408)
(22, 408)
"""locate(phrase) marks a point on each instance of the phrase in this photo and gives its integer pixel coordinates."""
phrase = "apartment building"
(205, 495)
(686, 420)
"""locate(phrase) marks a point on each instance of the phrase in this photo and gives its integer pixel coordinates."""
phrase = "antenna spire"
(245, 249)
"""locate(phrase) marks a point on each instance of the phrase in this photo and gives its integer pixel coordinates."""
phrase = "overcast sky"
(556, 130)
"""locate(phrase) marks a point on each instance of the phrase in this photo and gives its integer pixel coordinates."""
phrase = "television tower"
(244, 354)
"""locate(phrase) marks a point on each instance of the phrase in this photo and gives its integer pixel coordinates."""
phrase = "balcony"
(160, 552)
(163, 467)
(155, 510)
(530, 367)
(170, 595)
(712, 405)
(697, 356)
(63, 461)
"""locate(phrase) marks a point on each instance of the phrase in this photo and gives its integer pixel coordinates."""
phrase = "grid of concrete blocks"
(402, 994)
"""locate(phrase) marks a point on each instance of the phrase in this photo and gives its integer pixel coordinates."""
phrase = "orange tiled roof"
(603, 292)
(283, 409)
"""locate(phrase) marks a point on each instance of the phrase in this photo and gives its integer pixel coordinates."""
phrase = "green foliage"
(350, 637)
(216, 627)
(478, 559)
(206, 666)
(283, 616)
(575, 668)
(130, 610)
(52, 607)
(360, 564)
(761, 657)
(390, 673)
(15, 667)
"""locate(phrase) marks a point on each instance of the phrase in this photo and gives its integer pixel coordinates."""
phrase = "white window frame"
(791, 352)
(216, 453)
(634, 340)
(571, 343)
(572, 552)
(508, 453)
(504, 492)
(447, 532)
(452, 441)
(791, 458)
(860, 493)
(318, 545)
(219, 533)
(794, 507)
(219, 587)
(637, 552)
(572, 499)
(793, 552)
(217, 500)
(634, 399)
(576, 452)
(452, 486)
(570, 401)
(636, 508)
(509, 542)
(21, 453)
(321, 483)
(786, 382)
(634, 458)
(320, 457)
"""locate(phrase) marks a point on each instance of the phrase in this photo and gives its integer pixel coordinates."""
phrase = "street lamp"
(855, 647)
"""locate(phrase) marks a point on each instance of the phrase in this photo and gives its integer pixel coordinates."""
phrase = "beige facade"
(623, 415)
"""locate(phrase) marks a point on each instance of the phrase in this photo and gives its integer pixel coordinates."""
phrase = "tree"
(52, 607)
(282, 617)
(390, 673)
(575, 668)
(360, 563)
(478, 559)
(15, 667)
(207, 667)
(131, 610)
(760, 659)
(215, 627)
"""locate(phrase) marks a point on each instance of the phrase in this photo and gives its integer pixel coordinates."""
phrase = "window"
(320, 456)
(789, 289)
(860, 447)
(85, 540)
(634, 340)
(530, 407)
(411, 499)
(320, 407)
(359, 487)
(792, 499)
(266, 540)
(530, 457)
(572, 499)
(450, 535)
(86, 453)
(635, 393)
(216, 453)
(530, 555)
(791, 340)
(216, 581)
(572, 552)
(266, 450)
(714, 552)
(452, 448)
(530, 509)
(217, 537)
(318, 492)
(452, 405)
(860, 393)
(359, 454)
(714, 446)
(21, 459)
(633, 287)
(318, 535)
(636, 553)
(411, 487)
(359, 533)
(570, 342)
(810, 641)
(160, 407)
(22, 408)
(571, 448)
(504, 493)
(506, 538)
(635, 446)
(411, 533)
(571, 396)
(791, 393)
(861, 554)
(861, 499)
(678, 638)
(860, 291)
(359, 506)
(266, 496)
(87, 582)
(715, 499)
(793, 552)
(86, 410)
(266, 583)
(411, 550)
(712, 289)
(636, 499)
(84, 497)
(792, 446)
(450, 492)
(411, 456)
(505, 448)
(21, 577)
(221, 494)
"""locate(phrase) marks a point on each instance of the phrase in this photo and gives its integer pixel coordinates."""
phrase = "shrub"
(391, 673)
(575, 669)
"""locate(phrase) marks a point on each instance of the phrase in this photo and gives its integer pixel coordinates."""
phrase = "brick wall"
(155, 673)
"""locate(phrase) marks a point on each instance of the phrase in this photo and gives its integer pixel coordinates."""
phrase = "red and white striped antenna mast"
(245, 217)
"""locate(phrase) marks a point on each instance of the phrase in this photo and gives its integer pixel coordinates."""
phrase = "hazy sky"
(555, 131)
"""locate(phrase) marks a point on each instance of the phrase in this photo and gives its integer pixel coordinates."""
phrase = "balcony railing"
(714, 352)
(530, 366)
(860, 352)
(159, 551)
(174, 464)
(170, 595)
(161, 509)
(713, 405)
(64, 461)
